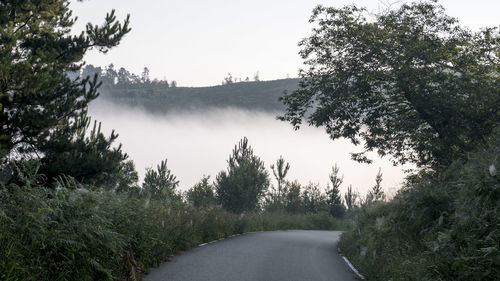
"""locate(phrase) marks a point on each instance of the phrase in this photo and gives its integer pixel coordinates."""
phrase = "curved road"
(277, 255)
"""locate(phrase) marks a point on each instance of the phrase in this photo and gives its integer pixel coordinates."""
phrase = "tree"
(228, 80)
(376, 194)
(110, 75)
(256, 77)
(313, 199)
(201, 195)
(280, 171)
(160, 183)
(90, 70)
(292, 199)
(409, 82)
(86, 156)
(145, 76)
(124, 76)
(126, 178)
(350, 198)
(334, 200)
(245, 182)
(37, 51)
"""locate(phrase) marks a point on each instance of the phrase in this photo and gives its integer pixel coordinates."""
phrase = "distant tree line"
(246, 187)
(160, 96)
(110, 76)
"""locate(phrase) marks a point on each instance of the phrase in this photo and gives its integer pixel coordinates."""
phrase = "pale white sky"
(197, 42)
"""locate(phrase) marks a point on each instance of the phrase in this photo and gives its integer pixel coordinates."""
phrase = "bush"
(57, 234)
(441, 226)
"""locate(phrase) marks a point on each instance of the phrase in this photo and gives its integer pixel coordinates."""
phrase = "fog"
(199, 143)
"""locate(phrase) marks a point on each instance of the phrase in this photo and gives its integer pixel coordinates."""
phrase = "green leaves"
(37, 50)
(410, 83)
(241, 187)
(160, 183)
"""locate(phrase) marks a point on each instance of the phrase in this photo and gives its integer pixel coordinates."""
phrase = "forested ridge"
(160, 96)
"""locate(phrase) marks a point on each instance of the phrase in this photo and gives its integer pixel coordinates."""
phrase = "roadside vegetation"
(412, 84)
(439, 226)
(71, 206)
(58, 233)
(409, 83)
(55, 229)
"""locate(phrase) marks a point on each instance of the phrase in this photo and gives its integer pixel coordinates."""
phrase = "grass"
(440, 226)
(48, 234)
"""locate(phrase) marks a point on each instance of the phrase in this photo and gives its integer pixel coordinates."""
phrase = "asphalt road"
(267, 256)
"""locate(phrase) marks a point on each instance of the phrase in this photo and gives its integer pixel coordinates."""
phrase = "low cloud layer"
(198, 143)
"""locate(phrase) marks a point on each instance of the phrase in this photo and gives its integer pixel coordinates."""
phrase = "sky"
(198, 42)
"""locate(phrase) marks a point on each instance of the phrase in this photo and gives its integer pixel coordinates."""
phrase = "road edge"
(353, 268)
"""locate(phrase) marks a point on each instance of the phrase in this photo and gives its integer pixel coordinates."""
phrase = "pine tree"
(376, 194)
(245, 182)
(160, 183)
(280, 171)
(145, 76)
(313, 199)
(37, 95)
(291, 197)
(201, 195)
(334, 199)
(350, 198)
(87, 156)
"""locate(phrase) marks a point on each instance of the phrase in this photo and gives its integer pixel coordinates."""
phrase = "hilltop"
(160, 97)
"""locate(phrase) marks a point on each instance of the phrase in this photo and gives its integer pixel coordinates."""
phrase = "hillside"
(158, 98)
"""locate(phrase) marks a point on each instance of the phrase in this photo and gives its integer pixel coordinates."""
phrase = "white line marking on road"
(353, 268)
(202, 244)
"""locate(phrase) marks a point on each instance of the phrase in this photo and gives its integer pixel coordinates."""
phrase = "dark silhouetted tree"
(333, 197)
(245, 182)
(228, 79)
(280, 170)
(160, 183)
(410, 82)
(376, 193)
(145, 76)
(256, 77)
(202, 194)
(88, 156)
(38, 52)
(350, 198)
(292, 199)
(313, 199)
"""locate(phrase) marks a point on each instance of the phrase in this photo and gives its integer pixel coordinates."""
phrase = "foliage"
(245, 182)
(333, 198)
(292, 198)
(72, 232)
(37, 50)
(350, 198)
(280, 170)
(441, 226)
(314, 201)
(376, 194)
(410, 82)
(126, 178)
(298, 199)
(202, 194)
(86, 156)
(160, 183)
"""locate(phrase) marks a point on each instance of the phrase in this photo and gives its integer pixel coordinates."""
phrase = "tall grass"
(441, 226)
(71, 233)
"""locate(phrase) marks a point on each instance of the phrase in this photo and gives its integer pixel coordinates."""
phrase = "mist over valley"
(197, 132)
